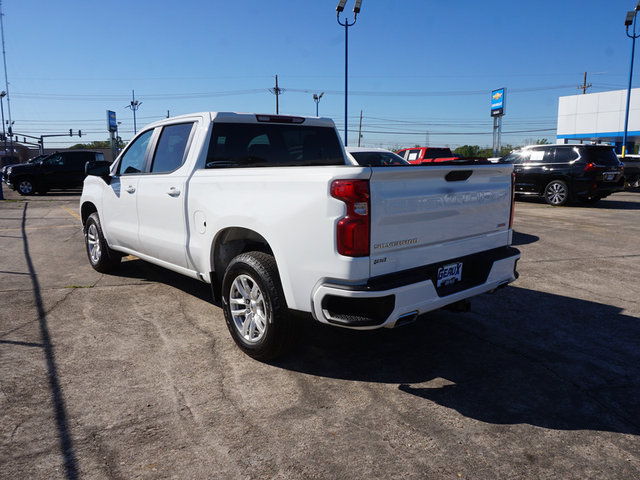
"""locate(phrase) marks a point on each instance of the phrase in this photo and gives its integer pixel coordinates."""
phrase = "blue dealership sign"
(112, 125)
(497, 102)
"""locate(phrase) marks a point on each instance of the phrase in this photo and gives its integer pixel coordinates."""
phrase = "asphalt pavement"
(135, 375)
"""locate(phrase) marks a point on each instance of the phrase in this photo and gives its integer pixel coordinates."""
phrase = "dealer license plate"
(449, 274)
(609, 176)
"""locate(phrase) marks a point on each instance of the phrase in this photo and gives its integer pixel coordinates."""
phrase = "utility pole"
(6, 85)
(277, 91)
(360, 129)
(584, 85)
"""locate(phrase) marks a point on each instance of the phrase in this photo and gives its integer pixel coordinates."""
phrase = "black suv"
(58, 170)
(561, 173)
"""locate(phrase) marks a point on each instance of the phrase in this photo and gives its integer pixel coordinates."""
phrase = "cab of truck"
(419, 155)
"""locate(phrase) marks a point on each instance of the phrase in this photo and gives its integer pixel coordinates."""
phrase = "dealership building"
(599, 118)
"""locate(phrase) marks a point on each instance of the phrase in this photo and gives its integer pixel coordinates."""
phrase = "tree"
(103, 144)
(468, 151)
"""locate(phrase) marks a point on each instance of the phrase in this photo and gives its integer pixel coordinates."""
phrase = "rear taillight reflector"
(352, 231)
(592, 167)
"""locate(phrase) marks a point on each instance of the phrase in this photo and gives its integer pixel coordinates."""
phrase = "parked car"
(3, 170)
(375, 157)
(561, 173)
(58, 170)
(631, 165)
(419, 155)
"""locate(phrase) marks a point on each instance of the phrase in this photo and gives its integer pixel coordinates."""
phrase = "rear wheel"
(556, 193)
(101, 257)
(254, 306)
(25, 186)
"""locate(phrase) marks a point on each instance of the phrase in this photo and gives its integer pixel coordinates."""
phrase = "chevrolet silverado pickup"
(271, 212)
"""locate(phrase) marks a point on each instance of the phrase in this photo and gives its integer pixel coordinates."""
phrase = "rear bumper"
(391, 299)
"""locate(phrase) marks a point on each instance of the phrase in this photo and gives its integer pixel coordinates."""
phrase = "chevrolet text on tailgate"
(272, 214)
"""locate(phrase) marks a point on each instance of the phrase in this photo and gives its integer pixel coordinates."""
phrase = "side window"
(414, 154)
(133, 159)
(541, 156)
(54, 160)
(565, 155)
(170, 153)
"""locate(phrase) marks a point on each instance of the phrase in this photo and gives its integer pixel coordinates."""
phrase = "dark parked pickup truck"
(631, 170)
(58, 170)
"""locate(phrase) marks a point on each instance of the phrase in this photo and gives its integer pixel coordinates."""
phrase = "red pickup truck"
(418, 155)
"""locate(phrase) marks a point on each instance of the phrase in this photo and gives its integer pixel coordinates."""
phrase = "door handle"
(131, 189)
(173, 192)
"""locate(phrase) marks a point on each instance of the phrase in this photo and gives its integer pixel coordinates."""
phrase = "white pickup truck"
(279, 220)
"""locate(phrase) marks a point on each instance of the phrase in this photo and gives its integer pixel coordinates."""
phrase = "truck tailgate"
(430, 214)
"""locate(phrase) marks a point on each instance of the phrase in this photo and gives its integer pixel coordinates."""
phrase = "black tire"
(258, 319)
(101, 257)
(25, 186)
(556, 193)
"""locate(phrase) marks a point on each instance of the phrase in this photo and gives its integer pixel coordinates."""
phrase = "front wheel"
(25, 186)
(556, 193)
(101, 257)
(254, 306)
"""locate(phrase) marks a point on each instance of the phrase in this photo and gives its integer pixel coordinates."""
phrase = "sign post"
(497, 111)
(112, 127)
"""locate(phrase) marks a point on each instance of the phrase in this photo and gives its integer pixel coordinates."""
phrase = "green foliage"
(542, 141)
(468, 151)
(103, 144)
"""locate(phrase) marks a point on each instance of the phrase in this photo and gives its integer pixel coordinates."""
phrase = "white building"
(599, 117)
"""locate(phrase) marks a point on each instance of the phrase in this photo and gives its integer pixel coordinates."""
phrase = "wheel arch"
(228, 244)
(87, 209)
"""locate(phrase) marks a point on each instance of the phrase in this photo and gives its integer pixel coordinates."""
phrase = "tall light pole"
(316, 98)
(134, 105)
(4, 132)
(346, 25)
(630, 20)
(4, 135)
(6, 84)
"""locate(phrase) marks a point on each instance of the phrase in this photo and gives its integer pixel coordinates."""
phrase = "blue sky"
(420, 70)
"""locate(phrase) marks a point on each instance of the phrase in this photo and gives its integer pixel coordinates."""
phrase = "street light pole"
(630, 20)
(134, 105)
(4, 132)
(316, 98)
(4, 135)
(346, 25)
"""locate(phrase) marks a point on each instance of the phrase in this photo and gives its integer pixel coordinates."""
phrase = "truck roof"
(235, 117)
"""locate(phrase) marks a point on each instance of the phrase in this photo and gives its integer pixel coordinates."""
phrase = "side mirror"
(98, 168)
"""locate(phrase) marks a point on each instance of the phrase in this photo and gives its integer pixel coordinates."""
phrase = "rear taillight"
(513, 198)
(352, 231)
(591, 167)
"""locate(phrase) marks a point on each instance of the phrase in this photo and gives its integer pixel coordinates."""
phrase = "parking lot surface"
(135, 375)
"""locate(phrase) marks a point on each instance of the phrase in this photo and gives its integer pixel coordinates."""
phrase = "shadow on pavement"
(62, 423)
(520, 356)
(613, 202)
(546, 360)
(520, 238)
(141, 270)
